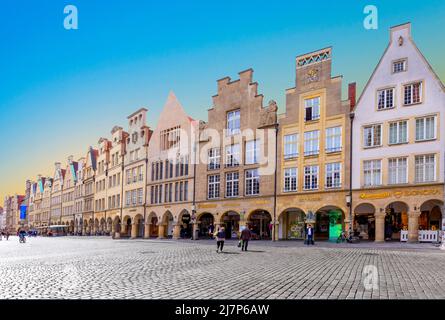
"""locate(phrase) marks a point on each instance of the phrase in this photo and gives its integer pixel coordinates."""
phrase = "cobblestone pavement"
(87, 268)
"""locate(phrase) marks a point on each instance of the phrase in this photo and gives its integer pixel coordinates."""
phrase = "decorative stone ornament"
(400, 41)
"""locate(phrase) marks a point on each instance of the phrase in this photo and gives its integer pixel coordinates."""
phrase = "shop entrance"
(206, 223)
(231, 224)
(396, 220)
(431, 216)
(291, 224)
(167, 221)
(259, 223)
(328, 223)
(364, 222)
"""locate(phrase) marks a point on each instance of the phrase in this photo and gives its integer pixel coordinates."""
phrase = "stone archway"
(96, 227)
(152, 225)
(90, 227)
(230, 220)
(206, 223)
(109, 226)
(259, 222)
(102, 226)
(329, 223)
(117, 226)
(396, 220)
(291, 224)
(85, 227)
(137, 228)
(126, 227)
(185, 225)
(166, 226)
(72, 227)
(431, 217)
(364, 225)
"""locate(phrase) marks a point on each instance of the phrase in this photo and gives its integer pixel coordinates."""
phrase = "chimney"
(352, 95)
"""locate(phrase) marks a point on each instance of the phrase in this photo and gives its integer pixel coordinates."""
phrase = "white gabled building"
(398, 146)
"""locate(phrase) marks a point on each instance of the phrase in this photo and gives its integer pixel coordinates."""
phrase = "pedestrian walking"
(310, 235)
(220, 237)
(7, 234)
(246, 234)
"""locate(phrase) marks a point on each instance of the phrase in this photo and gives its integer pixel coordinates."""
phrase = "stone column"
(161, 231)
(379, 228)
(413, 226)
(195, 227)
(275, 229)
(134, 230)
(147, 231)
(176, 231)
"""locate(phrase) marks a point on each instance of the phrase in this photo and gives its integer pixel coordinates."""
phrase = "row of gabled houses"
(374, 167)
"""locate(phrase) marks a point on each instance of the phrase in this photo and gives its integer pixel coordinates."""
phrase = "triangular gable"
(384, 57)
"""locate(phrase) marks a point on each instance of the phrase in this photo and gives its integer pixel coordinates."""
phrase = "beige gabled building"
(101, 186)
(68, 191)
(235, 171)
(89, 175)
(135, 175)
(115, 180)
(170, 177)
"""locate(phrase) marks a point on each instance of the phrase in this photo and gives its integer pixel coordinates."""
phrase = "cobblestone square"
(102, 268)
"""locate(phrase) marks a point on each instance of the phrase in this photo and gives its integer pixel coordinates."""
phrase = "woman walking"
(220, 237)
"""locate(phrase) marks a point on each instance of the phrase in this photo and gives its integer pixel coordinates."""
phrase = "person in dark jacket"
(310, 234)
(220, 237)
(245, 237)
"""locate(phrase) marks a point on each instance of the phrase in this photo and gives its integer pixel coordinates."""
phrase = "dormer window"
(399, 66)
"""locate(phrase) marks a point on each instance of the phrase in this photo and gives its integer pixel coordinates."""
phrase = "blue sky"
(63, 89)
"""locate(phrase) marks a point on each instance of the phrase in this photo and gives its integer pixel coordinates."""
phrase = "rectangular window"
(152, 194)
(166, 168)
(140, 175)
(186, 166)
(140, 196)
(127, 198)
(291, 146)
(170, 138)
(176, 191)
(398, 132)
(170, 192)
(233, 122)
(333, 139)
(385, 99)
(425, 168)
(156, 194)
(128, 176)
(311, 143)
(153, 172)
(213, 186)
(157, 171)
(161, 170)
(312, 109)
(333, 175)
(290, 179)
(426, 128)
(233, 155)
(186, 190)
(252, 182)
(166, 192)
(412, 93)
(398, 170)
(181, 190)
(310, 177)
(171, 170)
(252, 152)
(232, 184)
(399, 66)
(372, 135)
(372, 172)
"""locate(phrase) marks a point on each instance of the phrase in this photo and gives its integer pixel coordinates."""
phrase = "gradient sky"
(60, 90)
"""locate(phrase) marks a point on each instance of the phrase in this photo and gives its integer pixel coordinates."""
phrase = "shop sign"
(206, 205)
(398, 194)
(232, 204)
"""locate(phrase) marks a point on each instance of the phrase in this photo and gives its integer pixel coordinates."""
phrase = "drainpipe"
(351, 117)
(275, 184)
